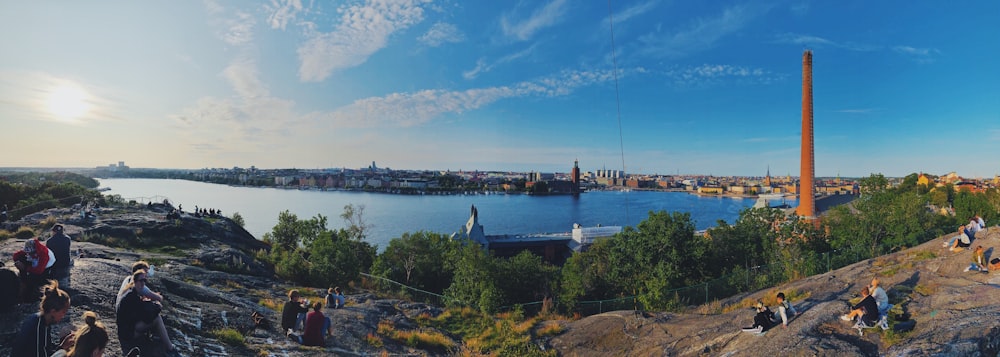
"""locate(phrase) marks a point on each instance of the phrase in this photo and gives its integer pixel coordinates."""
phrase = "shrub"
(229, 336)
(238, 219)
(24, 233)
(5, 235)
(374, 341)
(549, 328)
(47, 223)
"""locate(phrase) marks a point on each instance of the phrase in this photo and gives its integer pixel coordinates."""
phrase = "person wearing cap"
(32, 264)
(59, 244)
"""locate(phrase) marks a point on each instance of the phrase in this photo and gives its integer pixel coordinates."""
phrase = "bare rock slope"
(949, 312)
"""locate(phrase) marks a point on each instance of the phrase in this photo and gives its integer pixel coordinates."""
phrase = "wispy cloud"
(921, 55)
(819, 42)
(546, 16)
(31, 96)
(415, 108)
(482, 66)
(281, 12)
(239, 30)
(634, 11)
(857, 110)
(441, 33)
(709, 74)
(363, 30)
(702, 34)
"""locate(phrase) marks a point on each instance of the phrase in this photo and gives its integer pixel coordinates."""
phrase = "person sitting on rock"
(59, 245)
(334, 299)
(137, 315)
(33, 263)
(881, 298)
(962, 241)
(762, 321)
(89, 340)
(867, 309)
(784, 309)
(316, 327)
(969, 230)
(290, 319)
(978, 260)
(146, 292)
(34, 338)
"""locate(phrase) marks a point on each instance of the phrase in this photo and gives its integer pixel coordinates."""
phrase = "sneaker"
(845, 318)
(967, 269)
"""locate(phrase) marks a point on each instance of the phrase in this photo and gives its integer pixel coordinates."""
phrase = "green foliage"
(473, 279)
(968, 204)
(422, 260)
(229, 336)
(238, 219)
(884, 221)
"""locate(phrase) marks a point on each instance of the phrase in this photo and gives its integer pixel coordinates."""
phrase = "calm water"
(393, 215)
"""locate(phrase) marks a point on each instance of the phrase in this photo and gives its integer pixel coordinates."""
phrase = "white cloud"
(243, 77)
(544, 17)
(363, 30)
(922, 55)
(239, 30)
(441, 33)
(699, 36)
(281, 12)
(411, 109)
(482, 66)
(814, 41)
(213, 7)
(709, 74)
(634, 11)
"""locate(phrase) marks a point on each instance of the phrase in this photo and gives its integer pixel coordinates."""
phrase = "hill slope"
(953, 313)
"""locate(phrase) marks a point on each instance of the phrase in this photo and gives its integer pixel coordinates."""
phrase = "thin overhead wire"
(618, 106)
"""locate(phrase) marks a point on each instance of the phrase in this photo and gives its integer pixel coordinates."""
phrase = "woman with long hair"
(34, 338)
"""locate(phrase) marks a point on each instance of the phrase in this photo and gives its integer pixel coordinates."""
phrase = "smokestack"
(807, 204)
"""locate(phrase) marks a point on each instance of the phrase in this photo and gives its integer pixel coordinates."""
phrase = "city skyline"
(704, 88)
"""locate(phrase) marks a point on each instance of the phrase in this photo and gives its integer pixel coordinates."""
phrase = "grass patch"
(229, 336)
(464, 322)
(374, 341)
(424, 339)
(24, 233)
(270, 303)
(5, 235)
(549, 328)
(46, 224)
(924, 255)
(925, 290)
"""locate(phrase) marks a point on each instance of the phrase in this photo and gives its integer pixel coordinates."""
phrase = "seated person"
(334, 299)
(32, 265)
(137, 315)
(881, 298)
(784, 309)
(316, 327)
(89, 340)
(962, 241)
(146, 292)
(867, 309)
(34, 338)
(290, 312)
(978, 260)
(762, 320)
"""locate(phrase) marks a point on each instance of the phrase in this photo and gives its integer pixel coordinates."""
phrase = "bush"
(5, 235)
(229, 336)
(24, 233)
(238, 219)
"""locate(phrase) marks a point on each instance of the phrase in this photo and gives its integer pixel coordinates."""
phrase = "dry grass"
(548, 328)
(374, 341)
(426, 339)
(926, 289)
(271, 303)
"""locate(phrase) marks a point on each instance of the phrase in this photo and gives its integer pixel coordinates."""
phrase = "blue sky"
(705, 87)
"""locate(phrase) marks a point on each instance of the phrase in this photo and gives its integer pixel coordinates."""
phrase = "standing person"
(316, 327)
(32, 264)
(89, 340)
(785, 309)
(867, 309)
(59, 244)
(34, 338)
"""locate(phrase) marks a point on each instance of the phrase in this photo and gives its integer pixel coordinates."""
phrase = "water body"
(392, 215)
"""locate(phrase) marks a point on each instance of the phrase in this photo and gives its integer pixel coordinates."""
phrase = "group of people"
(137, 309)
(966, 234)
(765, 318)
(39, 262)
(873, 305)
(34, 339)
(314, 325)
(207, 212)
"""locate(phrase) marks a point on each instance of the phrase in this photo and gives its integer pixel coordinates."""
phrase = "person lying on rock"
(34, 338)
(867, 309)
(784, 309)
(762, 321)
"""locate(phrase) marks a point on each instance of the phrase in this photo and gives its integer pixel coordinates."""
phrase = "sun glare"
(68, 101)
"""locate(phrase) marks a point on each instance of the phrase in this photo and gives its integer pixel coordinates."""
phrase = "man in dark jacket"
(763, 320)
(59, 245)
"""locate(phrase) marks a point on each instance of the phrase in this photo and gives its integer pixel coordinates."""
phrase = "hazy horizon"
(701, 87)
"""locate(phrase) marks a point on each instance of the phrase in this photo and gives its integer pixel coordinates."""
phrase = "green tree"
(423, 260)
(525, 278)
(473, 282)
(286, 232)
(354, 217)
(238, 219)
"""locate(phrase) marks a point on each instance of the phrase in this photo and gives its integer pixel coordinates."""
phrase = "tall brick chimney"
(807, 204)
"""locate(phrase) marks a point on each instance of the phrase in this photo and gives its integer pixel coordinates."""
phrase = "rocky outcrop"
(940, 310)
(206, 270)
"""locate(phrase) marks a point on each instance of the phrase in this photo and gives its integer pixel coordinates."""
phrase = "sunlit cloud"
(701, 35)
(483, 67)
(43, 96)
(239, 30)
(441, 33)
(820, 42)
(543, 17)
(281, 12)
(363, 30)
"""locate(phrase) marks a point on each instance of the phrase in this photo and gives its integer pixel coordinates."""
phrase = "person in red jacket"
(317, 327)
(32, 264)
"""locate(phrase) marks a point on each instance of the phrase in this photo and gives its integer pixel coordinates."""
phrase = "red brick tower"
(575, 174)
(807, 204)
